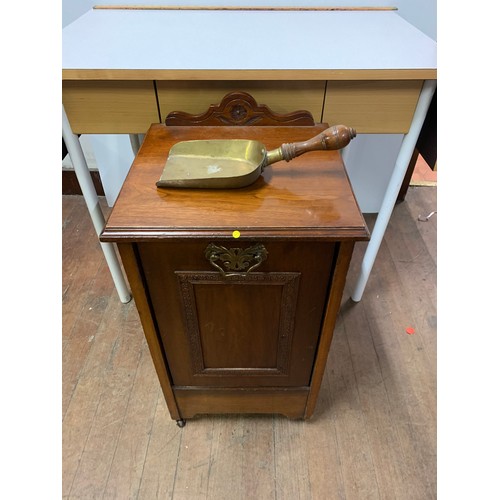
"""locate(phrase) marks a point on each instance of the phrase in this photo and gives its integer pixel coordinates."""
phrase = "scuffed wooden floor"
(373, 434)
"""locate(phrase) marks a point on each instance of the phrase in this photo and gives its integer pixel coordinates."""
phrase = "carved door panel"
(238, 330)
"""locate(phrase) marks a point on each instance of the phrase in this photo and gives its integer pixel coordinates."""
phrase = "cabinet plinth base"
(197, 401)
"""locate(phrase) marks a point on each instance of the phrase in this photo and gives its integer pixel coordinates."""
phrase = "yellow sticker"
(236, 234)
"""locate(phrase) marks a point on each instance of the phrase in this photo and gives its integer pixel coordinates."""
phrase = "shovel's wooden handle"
(336, 137)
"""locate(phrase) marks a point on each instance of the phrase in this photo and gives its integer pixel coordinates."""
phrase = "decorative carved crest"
(239, 108)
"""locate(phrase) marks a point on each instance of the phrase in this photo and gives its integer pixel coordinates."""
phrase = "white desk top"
(315, 44)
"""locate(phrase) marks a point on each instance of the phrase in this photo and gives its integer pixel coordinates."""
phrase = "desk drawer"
(281, 96)
(372, 107)
(110, 107)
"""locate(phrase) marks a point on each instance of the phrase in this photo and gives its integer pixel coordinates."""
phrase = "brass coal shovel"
(234, 163)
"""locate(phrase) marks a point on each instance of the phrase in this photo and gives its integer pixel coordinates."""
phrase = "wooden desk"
(224, 340)
(126, 69)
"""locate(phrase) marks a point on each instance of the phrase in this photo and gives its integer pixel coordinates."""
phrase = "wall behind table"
(113, 153)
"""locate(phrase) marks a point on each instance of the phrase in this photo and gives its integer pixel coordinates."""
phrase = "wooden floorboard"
(373, 434)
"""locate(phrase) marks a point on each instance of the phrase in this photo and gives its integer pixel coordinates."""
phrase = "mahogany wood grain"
(238, 343)
(331, 311)
(312, 262)
(127, 254)
(239, 109)
(310, 198)
(289, 402)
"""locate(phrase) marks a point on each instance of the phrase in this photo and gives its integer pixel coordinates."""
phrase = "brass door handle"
(239, 261)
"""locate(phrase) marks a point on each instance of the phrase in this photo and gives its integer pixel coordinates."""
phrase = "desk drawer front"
(110, 107)
(281, 96)
(372, 107)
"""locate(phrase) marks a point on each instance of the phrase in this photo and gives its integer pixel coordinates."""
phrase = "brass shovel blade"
(236, 163)
(228, 163)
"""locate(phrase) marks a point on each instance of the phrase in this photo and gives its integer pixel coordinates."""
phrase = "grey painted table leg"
(84, 179)
(391, 194)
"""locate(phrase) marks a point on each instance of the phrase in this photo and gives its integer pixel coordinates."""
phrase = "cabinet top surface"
(309, 197)
(307, 44)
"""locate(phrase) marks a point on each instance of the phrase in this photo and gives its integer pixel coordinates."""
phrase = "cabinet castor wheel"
(181, 423)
